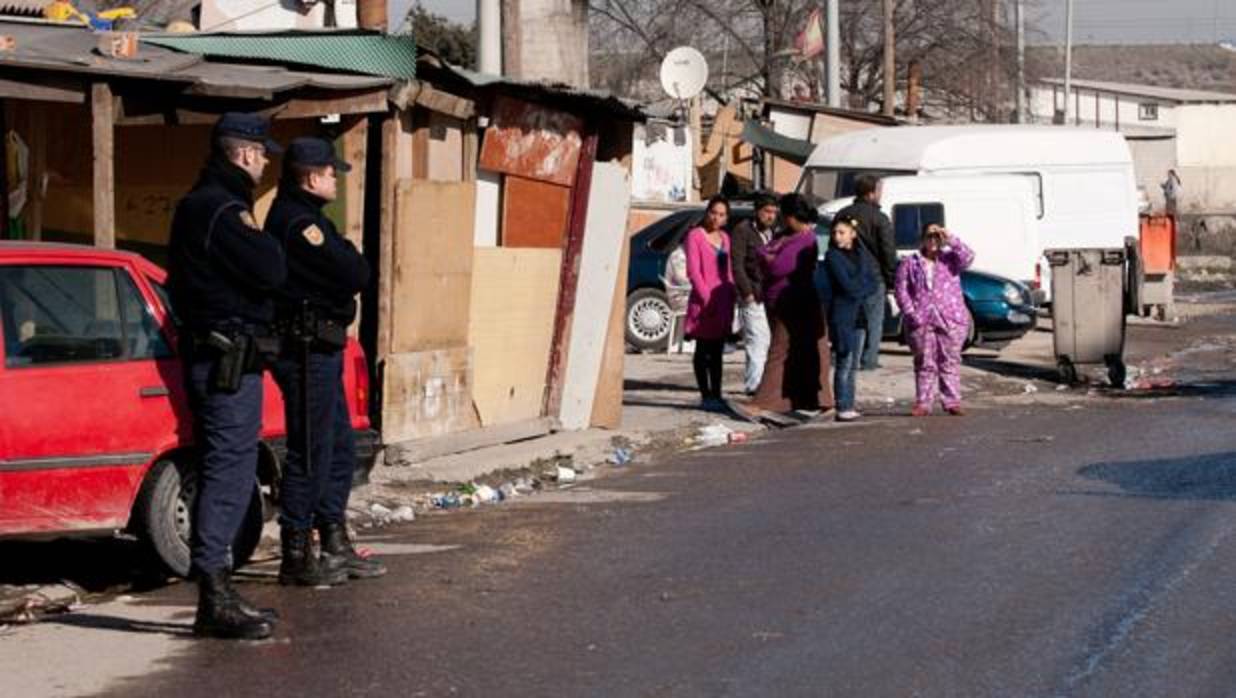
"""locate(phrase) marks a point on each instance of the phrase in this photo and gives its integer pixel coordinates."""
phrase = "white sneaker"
(848, 416)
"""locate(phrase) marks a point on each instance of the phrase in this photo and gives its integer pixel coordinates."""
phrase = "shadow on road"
(91, 621)
(1011, 369)
(1209, 477)
(95, 565)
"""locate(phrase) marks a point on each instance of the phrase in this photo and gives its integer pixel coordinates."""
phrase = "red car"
(95, 430)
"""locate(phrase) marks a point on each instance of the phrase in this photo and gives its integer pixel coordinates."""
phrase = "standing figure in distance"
(937, 322)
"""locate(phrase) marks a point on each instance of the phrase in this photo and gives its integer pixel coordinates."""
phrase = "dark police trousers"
(226, 428)
(320, 497)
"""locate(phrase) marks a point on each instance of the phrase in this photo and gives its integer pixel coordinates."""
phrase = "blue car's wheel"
(648, 319)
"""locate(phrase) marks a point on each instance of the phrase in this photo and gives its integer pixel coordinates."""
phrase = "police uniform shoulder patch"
(247, 218)
(314, 235)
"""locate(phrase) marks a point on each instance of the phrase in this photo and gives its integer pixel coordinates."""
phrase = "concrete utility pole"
(1019, 10)
(1068, 58)
(832, 44)
(890, 60)
(489, 33)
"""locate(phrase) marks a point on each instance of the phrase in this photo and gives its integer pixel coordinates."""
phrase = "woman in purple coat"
(796, 374)
(710, 309)
(928, 289)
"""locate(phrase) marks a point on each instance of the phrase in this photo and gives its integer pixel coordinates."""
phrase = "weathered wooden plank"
(367, 102)
(103, 129)
(569, 278)
(386, 249)
(433, 265)
(409, 453)
(533, 141)
(427, 394)
(607, 405)
(514, 292)
(355, 152)
(600, 257)
(46, 90)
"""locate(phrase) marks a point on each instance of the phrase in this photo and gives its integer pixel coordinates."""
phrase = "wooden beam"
(355, 142)
(103, 113)
(43, 91)
(35, 194)
(471, 147)
(387, 232)
(369, 102)
(569, 278)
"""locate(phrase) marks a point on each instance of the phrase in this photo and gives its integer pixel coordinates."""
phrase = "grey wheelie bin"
(1088, 310)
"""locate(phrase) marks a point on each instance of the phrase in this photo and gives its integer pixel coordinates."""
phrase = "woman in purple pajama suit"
(928, 289)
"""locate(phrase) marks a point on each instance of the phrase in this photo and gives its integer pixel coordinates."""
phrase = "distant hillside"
(1191, 66)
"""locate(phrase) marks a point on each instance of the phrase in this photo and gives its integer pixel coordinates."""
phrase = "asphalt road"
(1082, 550)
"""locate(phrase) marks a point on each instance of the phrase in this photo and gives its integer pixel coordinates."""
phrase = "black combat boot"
(300, 566)
(337, 552)
(219, 612)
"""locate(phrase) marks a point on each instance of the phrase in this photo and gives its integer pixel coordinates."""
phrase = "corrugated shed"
(353, 51)
(25, 8)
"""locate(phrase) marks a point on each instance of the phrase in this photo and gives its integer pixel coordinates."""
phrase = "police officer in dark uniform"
(223, 273)
(314, 308)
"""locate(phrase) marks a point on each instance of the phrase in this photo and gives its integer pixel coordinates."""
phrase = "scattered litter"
(889, 401)
(713, 435)
(621, 456)
(450, 500)
(915, 432)
(508, 490)
(380, 512)
(486, 494)
(525, 485)
(1030, 389)
(1061, 388)
(565, 474)
(739, 437)
(403, 514)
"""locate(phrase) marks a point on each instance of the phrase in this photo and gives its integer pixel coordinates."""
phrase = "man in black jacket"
(747, 239)
(875, 233)
(314, 308)
(222, 272)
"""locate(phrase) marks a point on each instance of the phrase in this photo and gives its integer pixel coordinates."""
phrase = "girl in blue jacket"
(852, 278)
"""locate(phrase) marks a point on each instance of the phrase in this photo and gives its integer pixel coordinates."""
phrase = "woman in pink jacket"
(928, 289)
(710, 309)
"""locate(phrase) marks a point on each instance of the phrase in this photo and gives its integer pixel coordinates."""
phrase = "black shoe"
(269, 615)
(299, 565)
(219, 612)
(337, 552)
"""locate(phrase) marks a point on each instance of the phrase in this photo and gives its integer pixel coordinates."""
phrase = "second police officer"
(222, 273)
(314, 309)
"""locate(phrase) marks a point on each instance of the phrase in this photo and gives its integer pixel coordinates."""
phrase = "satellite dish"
(684, 72)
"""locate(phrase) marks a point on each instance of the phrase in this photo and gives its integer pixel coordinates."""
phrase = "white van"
(1085, 191)
(996, 215)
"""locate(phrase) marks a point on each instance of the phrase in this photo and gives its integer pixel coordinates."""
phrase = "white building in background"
(1191, 131)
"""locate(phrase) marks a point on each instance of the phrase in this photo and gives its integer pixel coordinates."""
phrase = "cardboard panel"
(607, 405)
(432, 281)
(514, 295)
(532, 141)
(426, 394)
(604, 240)
(445, 148)
(534, 214)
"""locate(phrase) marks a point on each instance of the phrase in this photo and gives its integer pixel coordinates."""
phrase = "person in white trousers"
(748, 237)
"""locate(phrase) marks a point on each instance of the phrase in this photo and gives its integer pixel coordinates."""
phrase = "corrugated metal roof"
(71, 49)
(28, 8)
(1169, 94)
(353, 50)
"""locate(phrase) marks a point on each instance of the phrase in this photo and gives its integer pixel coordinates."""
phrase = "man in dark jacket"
(314, 308)
(875, 234)
(222, 272)
(746, 241)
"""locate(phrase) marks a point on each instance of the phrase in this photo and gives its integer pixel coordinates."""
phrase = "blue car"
(1002, 310)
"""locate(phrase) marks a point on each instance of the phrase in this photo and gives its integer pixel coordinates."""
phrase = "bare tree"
(964, 48)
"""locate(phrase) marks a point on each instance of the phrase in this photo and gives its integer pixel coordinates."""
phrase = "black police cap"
(247, 127)
(314, 152)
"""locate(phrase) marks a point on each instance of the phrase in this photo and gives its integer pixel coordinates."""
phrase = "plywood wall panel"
(514, 294)
(432, 283)
(534, 214)
(427, 394)
(533, 141)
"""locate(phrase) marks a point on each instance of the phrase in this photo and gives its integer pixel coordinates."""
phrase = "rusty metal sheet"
(532, 141)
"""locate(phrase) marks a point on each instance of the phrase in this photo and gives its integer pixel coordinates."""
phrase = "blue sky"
(1096, 21)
